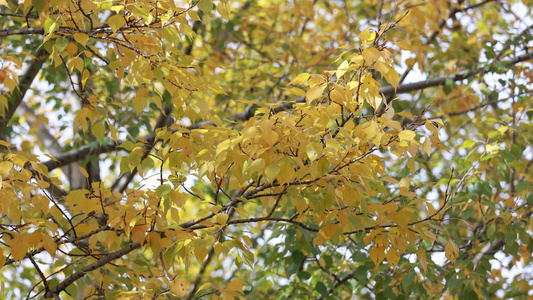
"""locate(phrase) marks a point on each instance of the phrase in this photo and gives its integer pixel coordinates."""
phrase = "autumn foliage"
(219, 149)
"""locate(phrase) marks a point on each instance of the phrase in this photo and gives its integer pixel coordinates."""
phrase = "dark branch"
(16, 96)
(30, 30)
(99, 263)
(337, 284)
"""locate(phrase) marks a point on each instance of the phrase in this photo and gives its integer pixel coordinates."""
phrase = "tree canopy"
(222, 149)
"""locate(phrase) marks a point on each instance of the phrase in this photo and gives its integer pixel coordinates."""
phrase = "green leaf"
(205, 6)
(147, 164)
(530, 199)
(248, 258)
(522, 186)
(39, 5)
(163, 190)
(128, 145)
(98, 131)
(321, 288)
(50, 25)
(468, 144)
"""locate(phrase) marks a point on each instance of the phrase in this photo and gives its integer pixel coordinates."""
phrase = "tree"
(266, 149)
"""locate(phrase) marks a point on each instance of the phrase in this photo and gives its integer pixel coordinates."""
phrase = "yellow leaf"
(81, 38)
(300, 79)
(318, 240)
(139, 103)
(141, 12)
(503, 129)
(377, 254)
(371, 55)
(375, 101)
(50, 25)
(313, 81)
(236, 284)
(427, 146)
(393, 257)
(406, 114)
(366, 35)
(451, 250)
(205, 6)
(400, 243)
(403, 218)
(222, 219)
(247, 240)
(437, 142)
(194, 16)
(117, 8)
(313, 150)
(271, 171)
(422, 259)
(34, 239)
(5, 168)
(328, 231)
(431, 209)
(180, 286)
(381, 67)
(2, 259)
(314, 93)
(256, 165)
(207, 284)
(18, 248)
(407, 135)
(116, 22)
(393, 78)
(71, 49)
(296, 91)
(429, 235)
(357, 59)
(85, 76)
(302, 204)
(411, 165)
(223, 9)
(98, 131)
(83, 171)
(342, 69)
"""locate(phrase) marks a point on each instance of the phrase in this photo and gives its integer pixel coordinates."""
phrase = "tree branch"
(14, 100)
(99, 263)
(387, 91)
(29, 30)
(50, 143)
(337, 284)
